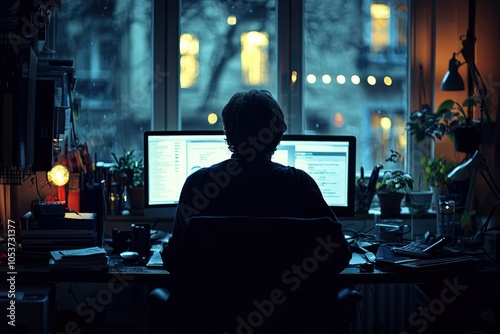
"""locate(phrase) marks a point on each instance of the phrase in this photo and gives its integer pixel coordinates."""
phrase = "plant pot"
(136, 200)
(467, 138)
(390, 204)
(419, 201)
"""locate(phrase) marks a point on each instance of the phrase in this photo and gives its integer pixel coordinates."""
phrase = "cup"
(141, 239)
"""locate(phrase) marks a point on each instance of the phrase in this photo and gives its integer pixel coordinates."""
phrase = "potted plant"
(129, 168)
(129, 172)
(424, 123)
(391, 190)
(435, 172)
(451, 119)
(464, 131)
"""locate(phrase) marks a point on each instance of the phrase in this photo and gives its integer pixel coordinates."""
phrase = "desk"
(32, 272)
(41, 272)
(390, 297)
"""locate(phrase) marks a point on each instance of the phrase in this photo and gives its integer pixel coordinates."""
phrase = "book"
(70, 221)
(84, 258)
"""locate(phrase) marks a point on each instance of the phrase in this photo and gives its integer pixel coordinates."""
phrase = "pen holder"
(362, 200)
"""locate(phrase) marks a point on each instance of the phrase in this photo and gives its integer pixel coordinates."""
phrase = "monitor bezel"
(340, 211)
(168, 210)
(165, 210)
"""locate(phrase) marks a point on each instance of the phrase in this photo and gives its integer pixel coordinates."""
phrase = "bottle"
(446, 218)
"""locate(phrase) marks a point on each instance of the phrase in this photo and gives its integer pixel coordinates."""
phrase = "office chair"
(255, 275)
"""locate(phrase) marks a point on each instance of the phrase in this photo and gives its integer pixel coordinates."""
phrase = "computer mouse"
(130, 256)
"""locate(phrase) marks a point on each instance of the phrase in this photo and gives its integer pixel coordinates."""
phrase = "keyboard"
(155, 260)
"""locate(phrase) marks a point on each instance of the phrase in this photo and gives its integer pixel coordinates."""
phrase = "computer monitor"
(171, 156)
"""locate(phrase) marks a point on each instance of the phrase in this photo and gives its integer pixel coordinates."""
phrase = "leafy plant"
(424, 123)
(129, 168)
(435, 170)
(455, 114)
(395, 181)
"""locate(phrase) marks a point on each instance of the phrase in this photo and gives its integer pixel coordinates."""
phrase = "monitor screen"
(171, 156)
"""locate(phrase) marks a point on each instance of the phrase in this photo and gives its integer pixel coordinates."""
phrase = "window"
(237, 51)
(110, 44)
(189, 49)
(356, 77)
(336, 67)
(380, 16)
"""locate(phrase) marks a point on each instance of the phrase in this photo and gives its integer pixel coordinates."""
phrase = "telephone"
(432, 246)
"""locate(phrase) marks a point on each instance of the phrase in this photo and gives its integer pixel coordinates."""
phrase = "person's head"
(253, 116)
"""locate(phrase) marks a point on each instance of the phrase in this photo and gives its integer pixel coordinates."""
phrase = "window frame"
(166, 86)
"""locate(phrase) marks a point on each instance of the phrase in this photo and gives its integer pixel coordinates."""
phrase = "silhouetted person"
(249, 183)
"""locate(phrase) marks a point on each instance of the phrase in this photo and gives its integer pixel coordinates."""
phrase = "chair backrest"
(256, 272)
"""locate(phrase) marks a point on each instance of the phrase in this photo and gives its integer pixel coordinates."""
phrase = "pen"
(361, 181)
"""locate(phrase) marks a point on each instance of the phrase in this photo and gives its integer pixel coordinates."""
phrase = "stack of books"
(91, 258)
(40, 235)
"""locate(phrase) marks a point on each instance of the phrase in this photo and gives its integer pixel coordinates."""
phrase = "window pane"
(110, 44)
(356, 74)
(226, 47)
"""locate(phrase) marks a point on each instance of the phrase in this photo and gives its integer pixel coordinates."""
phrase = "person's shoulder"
(294, 173)
(202, 171)
(289, 169)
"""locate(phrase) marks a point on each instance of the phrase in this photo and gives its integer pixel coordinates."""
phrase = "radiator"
(385, 308)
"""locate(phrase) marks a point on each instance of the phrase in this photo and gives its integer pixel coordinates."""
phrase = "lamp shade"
(452, 80)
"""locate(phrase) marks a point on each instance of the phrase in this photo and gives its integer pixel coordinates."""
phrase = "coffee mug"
(141, 239)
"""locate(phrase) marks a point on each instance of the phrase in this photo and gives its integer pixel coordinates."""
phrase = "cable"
(35, 182)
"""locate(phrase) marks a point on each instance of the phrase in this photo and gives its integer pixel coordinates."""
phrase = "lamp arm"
(491, 183)
(477, 80)
(481, 90)
(487, 222)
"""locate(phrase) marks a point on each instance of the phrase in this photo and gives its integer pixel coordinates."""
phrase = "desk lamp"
(468, 171)
(452, 81)
(59, 177)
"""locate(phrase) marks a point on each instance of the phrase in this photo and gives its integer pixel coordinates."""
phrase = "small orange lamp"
(59, 177)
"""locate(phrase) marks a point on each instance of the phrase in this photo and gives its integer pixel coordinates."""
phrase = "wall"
(436, 29)
(23, 195)
(452, 21)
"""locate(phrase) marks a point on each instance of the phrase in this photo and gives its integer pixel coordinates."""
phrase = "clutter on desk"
(386, 259)
(391, 230)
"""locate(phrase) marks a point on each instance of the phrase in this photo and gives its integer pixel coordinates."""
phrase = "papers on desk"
(91, 258)
(79, 215)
